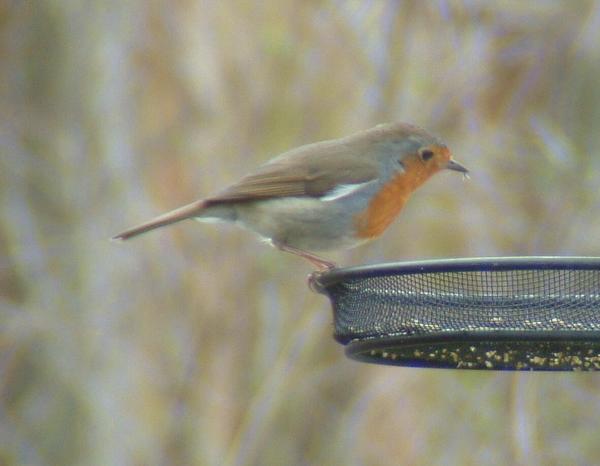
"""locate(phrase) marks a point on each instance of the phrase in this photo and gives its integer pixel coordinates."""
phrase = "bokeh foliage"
(199, 345)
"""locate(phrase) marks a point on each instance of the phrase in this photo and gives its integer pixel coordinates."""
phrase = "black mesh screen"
(511, 313)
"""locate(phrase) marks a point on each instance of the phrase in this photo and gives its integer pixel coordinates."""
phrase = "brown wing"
(311, 170)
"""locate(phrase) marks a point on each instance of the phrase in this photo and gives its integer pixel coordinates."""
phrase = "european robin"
(328, 195)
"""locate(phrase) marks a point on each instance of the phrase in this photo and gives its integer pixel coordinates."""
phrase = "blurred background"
(198, 345)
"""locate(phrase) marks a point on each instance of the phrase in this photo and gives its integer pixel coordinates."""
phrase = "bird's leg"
(319, 262)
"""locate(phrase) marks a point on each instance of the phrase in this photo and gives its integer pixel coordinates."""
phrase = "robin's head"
(407, 148)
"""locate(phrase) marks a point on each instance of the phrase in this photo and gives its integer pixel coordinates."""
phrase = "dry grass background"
(200, 346)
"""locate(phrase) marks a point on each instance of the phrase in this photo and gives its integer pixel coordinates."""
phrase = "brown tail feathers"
(174, 216)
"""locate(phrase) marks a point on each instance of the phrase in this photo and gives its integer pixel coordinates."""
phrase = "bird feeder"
(511, 313)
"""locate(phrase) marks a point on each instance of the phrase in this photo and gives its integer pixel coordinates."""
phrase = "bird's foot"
(314, 280)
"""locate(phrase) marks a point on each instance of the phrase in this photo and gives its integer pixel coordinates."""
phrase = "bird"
(333, 194)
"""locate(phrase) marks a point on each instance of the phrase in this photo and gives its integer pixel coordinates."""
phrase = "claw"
(313, 281)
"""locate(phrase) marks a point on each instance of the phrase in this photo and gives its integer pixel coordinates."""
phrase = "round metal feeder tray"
(510, 313)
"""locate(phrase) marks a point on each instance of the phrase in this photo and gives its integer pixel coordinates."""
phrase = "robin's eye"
(426, 155)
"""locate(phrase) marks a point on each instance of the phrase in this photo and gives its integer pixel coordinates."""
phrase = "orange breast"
(390, 200)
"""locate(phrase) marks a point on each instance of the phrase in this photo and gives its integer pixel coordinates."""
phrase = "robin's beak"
(457, 167)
